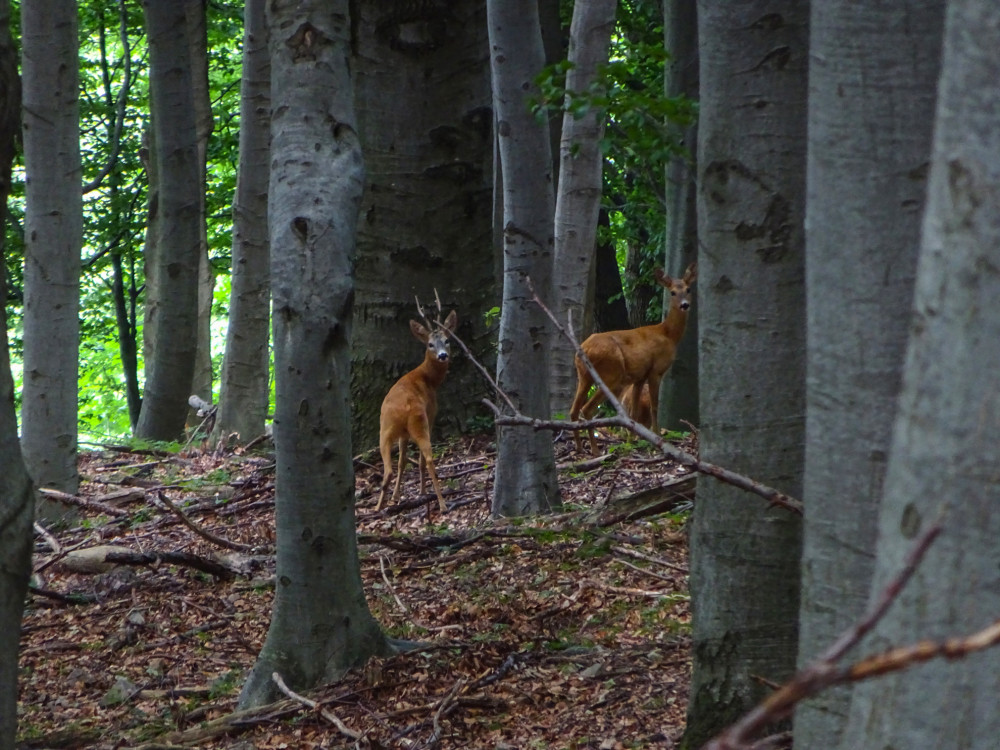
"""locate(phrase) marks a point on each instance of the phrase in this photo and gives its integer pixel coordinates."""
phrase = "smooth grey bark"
(578, 196)
(872, 88)
(751, 205)
(425, 117)
(244, 380)
(525, 481)
(202, 382)
(52, 240)
(943, 455)
(610, 312)
(16, 494)
(170, 367)
(320, 625)
(16, 516)
(679, 388)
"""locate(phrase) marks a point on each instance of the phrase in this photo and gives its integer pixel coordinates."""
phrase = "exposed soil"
(562, 632)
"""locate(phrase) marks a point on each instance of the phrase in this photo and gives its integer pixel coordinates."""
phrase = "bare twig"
(68, 499)
(49, 539)
(824, 673)
(217, 540)
(308, 703)
(443, 709)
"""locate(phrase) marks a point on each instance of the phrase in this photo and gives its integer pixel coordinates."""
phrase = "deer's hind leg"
(402, 443)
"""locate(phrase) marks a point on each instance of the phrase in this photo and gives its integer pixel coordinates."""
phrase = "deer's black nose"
(443, 356)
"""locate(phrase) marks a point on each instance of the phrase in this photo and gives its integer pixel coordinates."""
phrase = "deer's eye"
(673, 293)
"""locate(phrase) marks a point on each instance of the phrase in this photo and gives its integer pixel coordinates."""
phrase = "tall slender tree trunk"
(525, 481)
(320, 625)
(16, 493)
(943, 456)
(578, 198)
(872, 88)
(244, 382)
(202, 381)
(425, 117)
(175, 217)
(679, 388)
(751, 160)
(53, 237)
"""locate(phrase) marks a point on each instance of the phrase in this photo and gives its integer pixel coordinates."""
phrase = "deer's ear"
(421, 333)
(691, 273)
(451, 321)
(661, 278)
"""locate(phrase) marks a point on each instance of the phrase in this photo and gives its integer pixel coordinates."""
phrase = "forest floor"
(570, 631)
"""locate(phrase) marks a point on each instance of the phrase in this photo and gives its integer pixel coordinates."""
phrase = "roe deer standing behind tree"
(635, 357)
(410, 406)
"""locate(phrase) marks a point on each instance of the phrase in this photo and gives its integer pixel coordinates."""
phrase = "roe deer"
(635, 357)
(410, 406)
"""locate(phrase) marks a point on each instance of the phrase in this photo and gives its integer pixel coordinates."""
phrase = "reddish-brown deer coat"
(636, 357)
(410, 406)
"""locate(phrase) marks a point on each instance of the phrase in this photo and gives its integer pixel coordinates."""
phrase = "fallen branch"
(185, 559)
(68, 499)
(239, 721)
(341, 726)
(207, 535)
(447, 703)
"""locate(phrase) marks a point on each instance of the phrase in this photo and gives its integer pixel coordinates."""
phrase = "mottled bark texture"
(679, 390)
(425, 119)
(525, 481)
(320, 625)
(872, 87)
(244, 380)
(751, 306)
(943, 455)
(170, 366)
(53, 235)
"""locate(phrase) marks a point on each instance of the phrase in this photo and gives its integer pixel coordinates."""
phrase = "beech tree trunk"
(745, 557)
(525, 481)
(425, 118)
(578, 198)
(244, 383)
(942, 463)
(873, 82)
(52, 239)
(202, 381)
(679, 388)
(320, 625)
(170, 368)
(16, 493)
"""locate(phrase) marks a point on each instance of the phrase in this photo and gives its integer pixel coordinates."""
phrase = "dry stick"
(648, 558)
(63, 497)
(49, 539)
(218, 540)
(446, 703)
(823, 673)
(344, 729)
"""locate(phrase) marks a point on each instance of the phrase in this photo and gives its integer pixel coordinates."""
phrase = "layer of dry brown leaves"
(567, 632)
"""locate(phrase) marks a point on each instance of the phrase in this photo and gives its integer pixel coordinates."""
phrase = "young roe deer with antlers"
(410, 406)
(634, 358)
